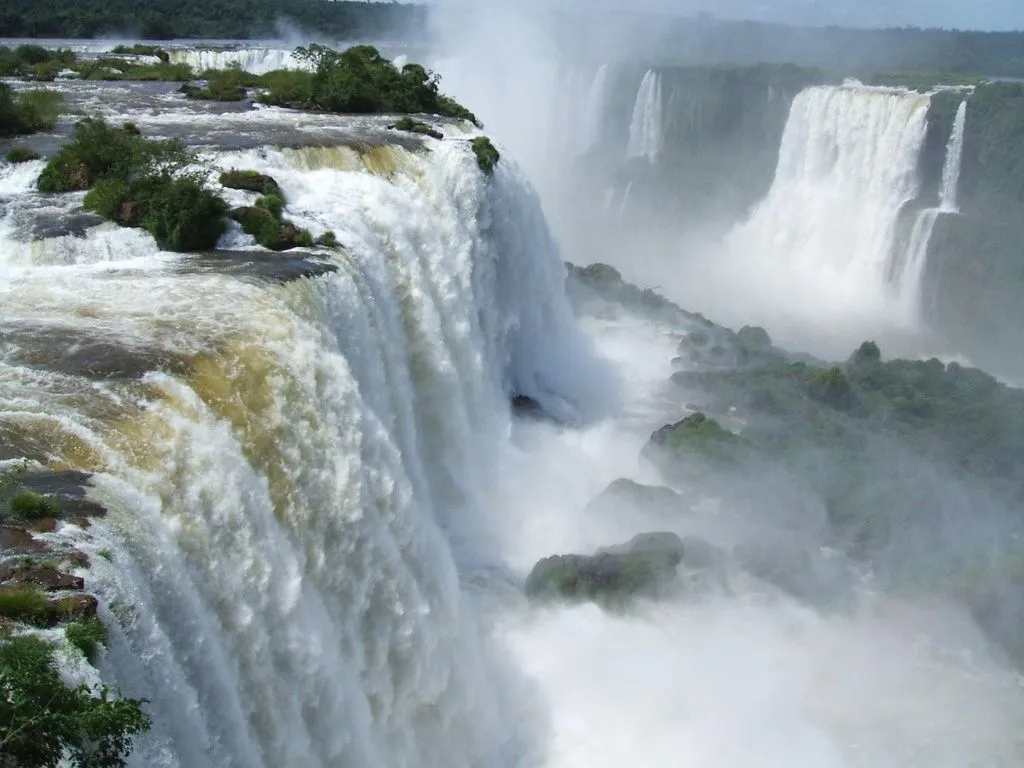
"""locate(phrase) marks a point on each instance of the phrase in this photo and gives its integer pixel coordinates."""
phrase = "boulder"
(74, 607)
(802, 572)
(625, 497)
(49, 579)
(131, 213)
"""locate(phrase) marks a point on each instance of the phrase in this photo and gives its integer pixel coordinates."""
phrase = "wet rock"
(74, 607)
(75, 353)
(43, 525)
(131, 213)
(268, 267)
(47, 578)
(802, 572)
(19, 540)
(527, 407)
(81, 522)
(249, 181)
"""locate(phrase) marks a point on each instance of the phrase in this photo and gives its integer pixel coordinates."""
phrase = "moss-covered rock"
(409, 125)
(623, 499)
(250, 181)
(645, 566)
(487, 155)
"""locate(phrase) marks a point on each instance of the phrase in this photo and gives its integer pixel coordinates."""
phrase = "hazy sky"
(964, 14)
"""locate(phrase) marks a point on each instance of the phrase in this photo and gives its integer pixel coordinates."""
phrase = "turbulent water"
(321, 509)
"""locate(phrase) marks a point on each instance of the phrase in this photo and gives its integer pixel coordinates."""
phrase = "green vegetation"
(29, 505)
(359, 80)
(41, 718)
(922, 81)
(113, 69)
(140, 49)
(222, 85)
(87, 635)
(486, 155)
(26, 604)
(27, 111)
(34, 61)
(17, 155)
(263, 219)
(328, 240)
(225, 19)
(138, 182)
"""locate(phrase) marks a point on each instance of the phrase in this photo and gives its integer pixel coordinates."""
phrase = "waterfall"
(298, 480)
(924, 225)
(954, 156)
(645, 130)
(255, 60)
(847, 166)
(593, 111)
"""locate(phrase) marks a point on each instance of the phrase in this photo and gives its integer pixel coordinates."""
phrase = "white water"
(645, 129)
(924, 225)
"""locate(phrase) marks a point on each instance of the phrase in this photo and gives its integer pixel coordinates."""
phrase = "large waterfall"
(827, 229)
(257, 60)
(303, 470)
(645, 129)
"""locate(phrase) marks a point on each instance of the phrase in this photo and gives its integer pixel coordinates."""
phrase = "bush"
(486, 155)
(41, 718)
(183, 215)
(359, 80)
(413, 126)
(304, 239)
(98, 150)
(21, 155)
(29, 505)
(87, 635)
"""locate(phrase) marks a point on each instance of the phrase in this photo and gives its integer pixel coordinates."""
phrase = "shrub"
(142, 50)
(304, 239)
(183, 215)
(41, 719)
(29, 505)
(328, 240)
(413, 126)
(486, 155)
(272, 204)
(21, 155)
(87, 635)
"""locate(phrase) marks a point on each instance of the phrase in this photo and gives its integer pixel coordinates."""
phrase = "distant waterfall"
(921, 235)
(847, 166)
(645, 131)
(593, 110)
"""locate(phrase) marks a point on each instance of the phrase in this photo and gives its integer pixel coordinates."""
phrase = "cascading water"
(827, 227)
(909, 279)
(593, 111)
(286, 498)
(255, 60)
(645, 129)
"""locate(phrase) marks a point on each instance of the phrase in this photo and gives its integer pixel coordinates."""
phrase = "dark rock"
(805, 574)
(81, 522)
(269, 267)
(527, 406)
(19, 540)
(131, 213)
